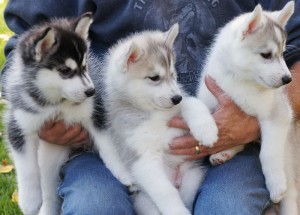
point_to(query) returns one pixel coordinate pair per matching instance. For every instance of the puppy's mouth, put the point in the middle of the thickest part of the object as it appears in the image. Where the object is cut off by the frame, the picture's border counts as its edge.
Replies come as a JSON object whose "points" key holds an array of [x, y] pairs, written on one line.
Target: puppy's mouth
{"points": [[163, 103], [263, 82], [76, 101]]}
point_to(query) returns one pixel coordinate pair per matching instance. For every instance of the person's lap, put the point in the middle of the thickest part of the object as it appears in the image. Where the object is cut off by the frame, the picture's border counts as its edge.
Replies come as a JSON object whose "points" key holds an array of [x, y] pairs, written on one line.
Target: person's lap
{"points": [[236, 187], [88, 188]]}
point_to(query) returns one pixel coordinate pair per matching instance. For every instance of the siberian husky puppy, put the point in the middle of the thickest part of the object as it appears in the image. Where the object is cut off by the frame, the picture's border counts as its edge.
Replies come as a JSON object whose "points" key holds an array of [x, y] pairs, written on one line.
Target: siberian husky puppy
{"points": [[247, 63], [142, 95], [49, 78]]}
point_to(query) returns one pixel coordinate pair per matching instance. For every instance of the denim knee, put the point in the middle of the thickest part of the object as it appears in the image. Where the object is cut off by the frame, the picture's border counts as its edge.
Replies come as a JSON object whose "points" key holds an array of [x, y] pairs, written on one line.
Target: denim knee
{"points": [[88, 187], [234, 188]]}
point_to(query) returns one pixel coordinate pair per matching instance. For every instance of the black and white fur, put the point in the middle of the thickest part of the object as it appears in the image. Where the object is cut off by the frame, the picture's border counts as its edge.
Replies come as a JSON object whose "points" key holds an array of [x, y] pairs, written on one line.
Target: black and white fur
{"points": [[142, 95], [49, 79], [247, 63]]}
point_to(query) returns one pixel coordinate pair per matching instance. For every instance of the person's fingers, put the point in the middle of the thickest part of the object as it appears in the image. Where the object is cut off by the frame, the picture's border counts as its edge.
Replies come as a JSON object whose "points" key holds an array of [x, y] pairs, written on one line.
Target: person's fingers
{"points": [[178, 122], [81, 138], [197, 156], [215, 89], [183, 142], [58, 132], [192, 153], [49, 124], [52, 131]]}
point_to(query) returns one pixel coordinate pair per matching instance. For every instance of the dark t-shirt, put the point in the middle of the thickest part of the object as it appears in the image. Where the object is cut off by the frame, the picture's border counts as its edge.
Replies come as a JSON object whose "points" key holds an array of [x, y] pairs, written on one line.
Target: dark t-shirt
{"points": [[199, 21]]}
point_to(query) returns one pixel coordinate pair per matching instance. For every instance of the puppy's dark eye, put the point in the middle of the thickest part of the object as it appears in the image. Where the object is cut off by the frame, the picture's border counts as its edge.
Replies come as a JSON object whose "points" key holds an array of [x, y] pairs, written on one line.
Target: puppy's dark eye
{"points": [[267, 55], [154, 78], [66, 71]]}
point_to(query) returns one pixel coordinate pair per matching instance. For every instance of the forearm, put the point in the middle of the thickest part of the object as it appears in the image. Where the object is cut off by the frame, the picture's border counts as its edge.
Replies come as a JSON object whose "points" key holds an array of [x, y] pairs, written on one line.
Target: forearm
{"points": [[293, 90]]}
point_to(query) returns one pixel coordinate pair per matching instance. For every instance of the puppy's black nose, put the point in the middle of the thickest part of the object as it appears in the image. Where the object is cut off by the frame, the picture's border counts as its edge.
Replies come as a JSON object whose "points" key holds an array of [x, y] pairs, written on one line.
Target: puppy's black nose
{"points": [[286, 79], [90, 92], [176, 99]]}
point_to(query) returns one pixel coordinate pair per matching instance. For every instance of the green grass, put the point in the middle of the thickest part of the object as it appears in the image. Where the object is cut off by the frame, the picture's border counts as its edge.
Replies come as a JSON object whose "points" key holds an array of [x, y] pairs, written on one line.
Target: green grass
{"points": [[7, 181]]}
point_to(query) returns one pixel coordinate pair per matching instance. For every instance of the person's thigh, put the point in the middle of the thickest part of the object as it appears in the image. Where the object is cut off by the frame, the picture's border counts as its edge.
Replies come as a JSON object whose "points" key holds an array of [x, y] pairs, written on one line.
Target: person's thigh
{"points": [[88, 187], [234, 188]]}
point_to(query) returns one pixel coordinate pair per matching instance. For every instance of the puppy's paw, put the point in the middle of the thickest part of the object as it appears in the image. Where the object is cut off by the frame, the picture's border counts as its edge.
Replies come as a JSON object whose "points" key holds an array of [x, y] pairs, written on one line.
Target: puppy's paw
{"points": [[180, 211], [277, 189], [205, 133], [133, 188], [30, 209], [125, 179], [278, 193], [31, 201], [221, 157]]}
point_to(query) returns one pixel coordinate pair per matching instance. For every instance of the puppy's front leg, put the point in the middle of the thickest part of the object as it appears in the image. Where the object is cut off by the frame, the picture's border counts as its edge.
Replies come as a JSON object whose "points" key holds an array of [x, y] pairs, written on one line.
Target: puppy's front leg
{"points": [[150, 175], [274, 137], [28, 177], [109, 154], [51, 158], [200, 121]]}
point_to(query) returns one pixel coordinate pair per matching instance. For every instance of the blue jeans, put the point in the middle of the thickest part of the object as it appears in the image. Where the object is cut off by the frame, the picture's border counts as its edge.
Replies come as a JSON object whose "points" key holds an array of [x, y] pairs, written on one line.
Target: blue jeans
{"points": [[88, 188], [234, 188]]}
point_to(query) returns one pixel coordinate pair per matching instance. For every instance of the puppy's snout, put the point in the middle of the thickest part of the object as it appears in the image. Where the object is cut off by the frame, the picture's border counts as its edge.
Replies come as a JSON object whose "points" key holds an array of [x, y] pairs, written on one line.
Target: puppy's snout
{"points": [[286, 79], [90, 92], [176, 99]]}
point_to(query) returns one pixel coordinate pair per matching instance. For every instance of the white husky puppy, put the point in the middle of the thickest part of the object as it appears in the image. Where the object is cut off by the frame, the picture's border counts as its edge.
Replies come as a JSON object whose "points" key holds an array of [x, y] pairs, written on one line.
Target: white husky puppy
{"points": [[141, 97], [247, 63], [49, 78]]}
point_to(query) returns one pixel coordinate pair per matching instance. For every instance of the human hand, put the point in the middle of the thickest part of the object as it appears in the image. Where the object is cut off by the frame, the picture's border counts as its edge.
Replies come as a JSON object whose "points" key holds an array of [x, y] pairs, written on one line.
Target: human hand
{"points": [[235, 127], [57, 132]]}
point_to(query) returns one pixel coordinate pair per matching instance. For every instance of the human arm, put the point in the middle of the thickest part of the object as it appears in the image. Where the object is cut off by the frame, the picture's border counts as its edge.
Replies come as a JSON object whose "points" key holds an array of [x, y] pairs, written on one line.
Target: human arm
{"points": [[293, 90]]}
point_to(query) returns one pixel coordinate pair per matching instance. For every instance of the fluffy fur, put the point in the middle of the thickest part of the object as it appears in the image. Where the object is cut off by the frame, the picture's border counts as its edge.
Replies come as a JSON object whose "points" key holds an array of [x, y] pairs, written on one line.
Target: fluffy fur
{"points": [[290, 203], [247, 62], [49, 78], [141, 97]]}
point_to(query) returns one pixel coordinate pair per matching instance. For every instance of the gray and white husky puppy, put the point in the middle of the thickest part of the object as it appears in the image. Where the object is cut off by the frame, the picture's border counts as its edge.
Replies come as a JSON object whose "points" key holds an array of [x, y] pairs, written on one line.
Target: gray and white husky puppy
{"points": [[142, 95], [247, 63], [49, 78]]}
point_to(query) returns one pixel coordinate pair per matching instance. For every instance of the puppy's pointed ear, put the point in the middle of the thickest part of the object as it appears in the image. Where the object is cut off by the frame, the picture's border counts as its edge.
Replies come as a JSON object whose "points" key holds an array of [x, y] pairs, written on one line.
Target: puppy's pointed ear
{"points": [[44, 43], [254, 22], [133, 55], [286, 13], [82, 25], [172, 34]]}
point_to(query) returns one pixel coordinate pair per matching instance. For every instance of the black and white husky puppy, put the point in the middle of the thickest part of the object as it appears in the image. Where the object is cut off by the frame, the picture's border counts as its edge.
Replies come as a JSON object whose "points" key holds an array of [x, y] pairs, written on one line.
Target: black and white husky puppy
{"points": [[49, 78]]}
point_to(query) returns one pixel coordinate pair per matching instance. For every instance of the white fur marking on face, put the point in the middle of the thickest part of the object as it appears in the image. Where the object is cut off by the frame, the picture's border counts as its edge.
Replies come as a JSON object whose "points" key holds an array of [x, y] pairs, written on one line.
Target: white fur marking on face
{"points": [[71, 63], [279, 35], [84, 60]]}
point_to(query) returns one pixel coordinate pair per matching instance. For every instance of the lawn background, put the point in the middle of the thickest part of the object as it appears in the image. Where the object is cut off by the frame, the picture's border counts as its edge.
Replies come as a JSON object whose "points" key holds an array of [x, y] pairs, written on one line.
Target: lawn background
{"points": [[7, 180]]}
